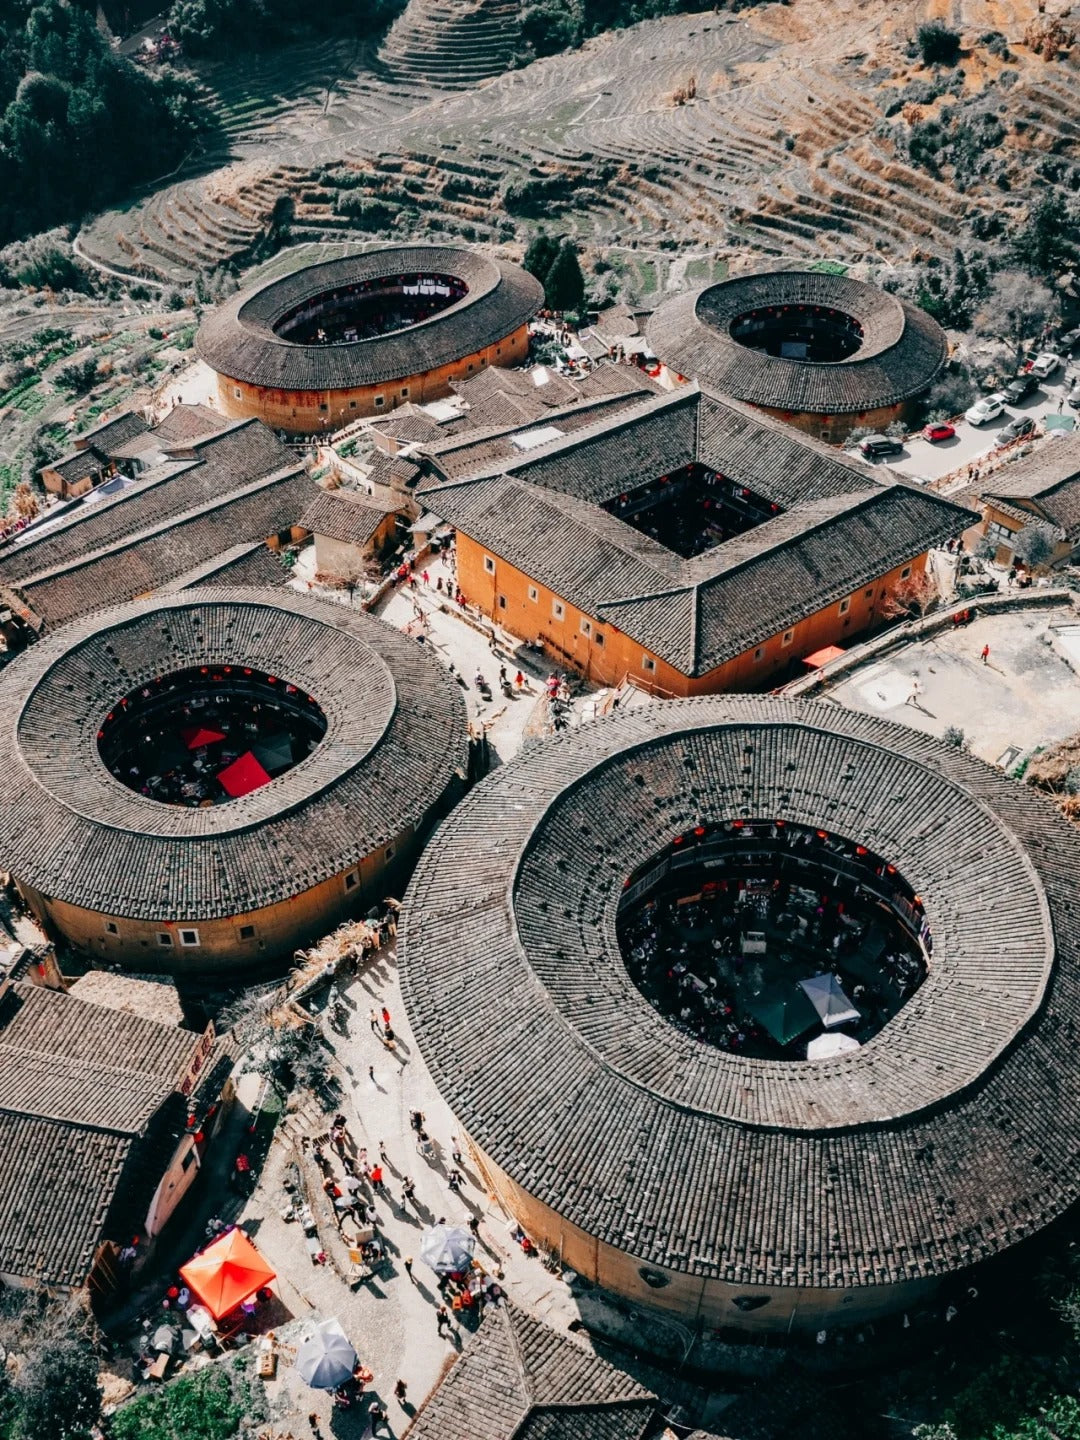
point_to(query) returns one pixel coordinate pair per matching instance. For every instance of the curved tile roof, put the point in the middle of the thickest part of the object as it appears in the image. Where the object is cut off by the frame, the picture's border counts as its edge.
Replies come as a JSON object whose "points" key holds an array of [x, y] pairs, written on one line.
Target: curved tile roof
{"points": [[939, 1142], [395, 739], [901, 351], [238, 339]]}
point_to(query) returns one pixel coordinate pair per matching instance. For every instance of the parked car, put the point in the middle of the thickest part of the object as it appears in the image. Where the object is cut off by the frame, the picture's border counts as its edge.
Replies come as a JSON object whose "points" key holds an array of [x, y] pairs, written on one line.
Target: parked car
{"points": [[1068, 342], [940, 430], [1045, 364], [1020, 387], [988, 408], [1016, 429], [873, 447]]}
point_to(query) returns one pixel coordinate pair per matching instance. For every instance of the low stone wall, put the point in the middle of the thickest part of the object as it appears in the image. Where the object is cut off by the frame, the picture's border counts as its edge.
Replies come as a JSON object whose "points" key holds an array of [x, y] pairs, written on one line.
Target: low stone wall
{"points": [[910, 630]]}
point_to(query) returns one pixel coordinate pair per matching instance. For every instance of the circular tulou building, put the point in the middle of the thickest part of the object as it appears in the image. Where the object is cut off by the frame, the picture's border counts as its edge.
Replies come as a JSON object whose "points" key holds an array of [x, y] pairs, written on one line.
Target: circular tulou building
{"points": [[825, 353], [206, 781], [763, 1013], [336, 341]]}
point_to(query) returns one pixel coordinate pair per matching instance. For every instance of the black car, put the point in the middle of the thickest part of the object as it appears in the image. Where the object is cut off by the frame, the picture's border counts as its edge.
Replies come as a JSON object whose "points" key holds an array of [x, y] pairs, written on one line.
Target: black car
{"points": [[1016, 429], [874, 446], [1068, 342], [1019, 388]]}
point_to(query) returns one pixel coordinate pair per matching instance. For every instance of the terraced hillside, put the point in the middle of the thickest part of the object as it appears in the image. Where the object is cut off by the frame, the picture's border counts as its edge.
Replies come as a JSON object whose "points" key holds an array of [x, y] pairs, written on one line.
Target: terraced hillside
{"points": [[782, 130], [452, 43]]}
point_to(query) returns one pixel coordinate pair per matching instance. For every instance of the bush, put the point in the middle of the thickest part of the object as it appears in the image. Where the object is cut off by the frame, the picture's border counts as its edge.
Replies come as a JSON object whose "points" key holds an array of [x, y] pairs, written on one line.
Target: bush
{"points": [[938, 45], [78, 377], [212, 1404]]}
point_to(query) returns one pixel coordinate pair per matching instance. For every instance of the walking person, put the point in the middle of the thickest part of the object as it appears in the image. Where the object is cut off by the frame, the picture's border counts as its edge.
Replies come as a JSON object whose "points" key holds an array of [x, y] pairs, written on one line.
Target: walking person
{"points": [[454, 1180], [913, 698], [408, 1263], [376, 1178], [400, 1389], [373, 1018], [442, 1321], [985, 654], [385, 1018], [377, 1416], [408, 1193]]}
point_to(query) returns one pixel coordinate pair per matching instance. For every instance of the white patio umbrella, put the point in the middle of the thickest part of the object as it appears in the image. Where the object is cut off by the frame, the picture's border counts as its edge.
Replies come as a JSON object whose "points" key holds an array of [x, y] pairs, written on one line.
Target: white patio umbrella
{"points": [[326, 1359], [447, 1248]]}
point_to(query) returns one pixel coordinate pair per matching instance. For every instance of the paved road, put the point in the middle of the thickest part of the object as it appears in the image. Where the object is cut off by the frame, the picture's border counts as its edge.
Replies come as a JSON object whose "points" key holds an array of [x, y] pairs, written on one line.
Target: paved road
{"points": [[923, 461]]}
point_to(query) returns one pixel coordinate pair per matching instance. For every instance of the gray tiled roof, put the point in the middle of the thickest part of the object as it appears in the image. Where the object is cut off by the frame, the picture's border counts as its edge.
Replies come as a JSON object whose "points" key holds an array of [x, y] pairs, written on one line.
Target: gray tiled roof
{"points": [[340, 517], [901, 352], [139, 563], [394, 743], [1049, 479], [110, 433], [951, 1135], [238, 339], [249, 563], [841, 527], [79, 1087], [520, 1380], [185, 423], [220, 464]]}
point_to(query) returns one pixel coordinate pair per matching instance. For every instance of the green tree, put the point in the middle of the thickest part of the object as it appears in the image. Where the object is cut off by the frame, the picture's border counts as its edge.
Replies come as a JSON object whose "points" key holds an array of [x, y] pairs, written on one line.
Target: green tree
{"points": [[938, 45], [540, 256], [564, 284], [1044, 245]]}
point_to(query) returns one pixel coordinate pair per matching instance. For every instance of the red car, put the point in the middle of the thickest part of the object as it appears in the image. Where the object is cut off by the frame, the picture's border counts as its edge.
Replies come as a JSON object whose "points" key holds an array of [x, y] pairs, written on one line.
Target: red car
{"points": [[940, 431]]}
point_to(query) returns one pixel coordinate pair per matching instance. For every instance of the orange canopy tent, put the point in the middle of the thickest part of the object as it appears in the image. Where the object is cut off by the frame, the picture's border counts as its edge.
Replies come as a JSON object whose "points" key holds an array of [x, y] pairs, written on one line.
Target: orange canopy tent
{"points": [[820, 658], [227, 1273]]}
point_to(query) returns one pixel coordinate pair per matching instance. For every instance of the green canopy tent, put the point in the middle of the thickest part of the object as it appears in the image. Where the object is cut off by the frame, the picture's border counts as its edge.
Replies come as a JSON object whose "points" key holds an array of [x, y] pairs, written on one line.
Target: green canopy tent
{"points": [[784, 1013]]}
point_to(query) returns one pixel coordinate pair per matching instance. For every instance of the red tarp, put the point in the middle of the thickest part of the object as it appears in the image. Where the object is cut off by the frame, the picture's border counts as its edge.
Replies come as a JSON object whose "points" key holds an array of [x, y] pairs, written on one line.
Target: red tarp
{"points": [[227, 1273], [194, 736], [822, 657], [243, 775]]}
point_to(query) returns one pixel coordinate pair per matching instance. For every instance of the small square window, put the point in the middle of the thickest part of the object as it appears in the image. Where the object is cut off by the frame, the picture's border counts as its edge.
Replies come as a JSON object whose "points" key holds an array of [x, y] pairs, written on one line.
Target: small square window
{"points": [[502, 602], [648, 663], [404, 392], [498, 349], [788, 637], [534, 594], [352, 404], [869, 593], [598, 638], [164, 938], [111, 927], [558, 609], [380, 401], [389, 852], [189, 937], [324, 408], [586, 627], [905, 573], [247, 932], [469, 367], [489, 565], [759, 653], [236, 393], [845, 606], [352, 879]]}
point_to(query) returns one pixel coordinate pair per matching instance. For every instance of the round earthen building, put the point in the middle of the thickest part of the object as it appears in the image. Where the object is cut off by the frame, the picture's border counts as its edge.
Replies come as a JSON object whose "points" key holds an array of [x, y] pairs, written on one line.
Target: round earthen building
{"points": [[755, 1011], [825, 353], [203, 782], [333, 342]]}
